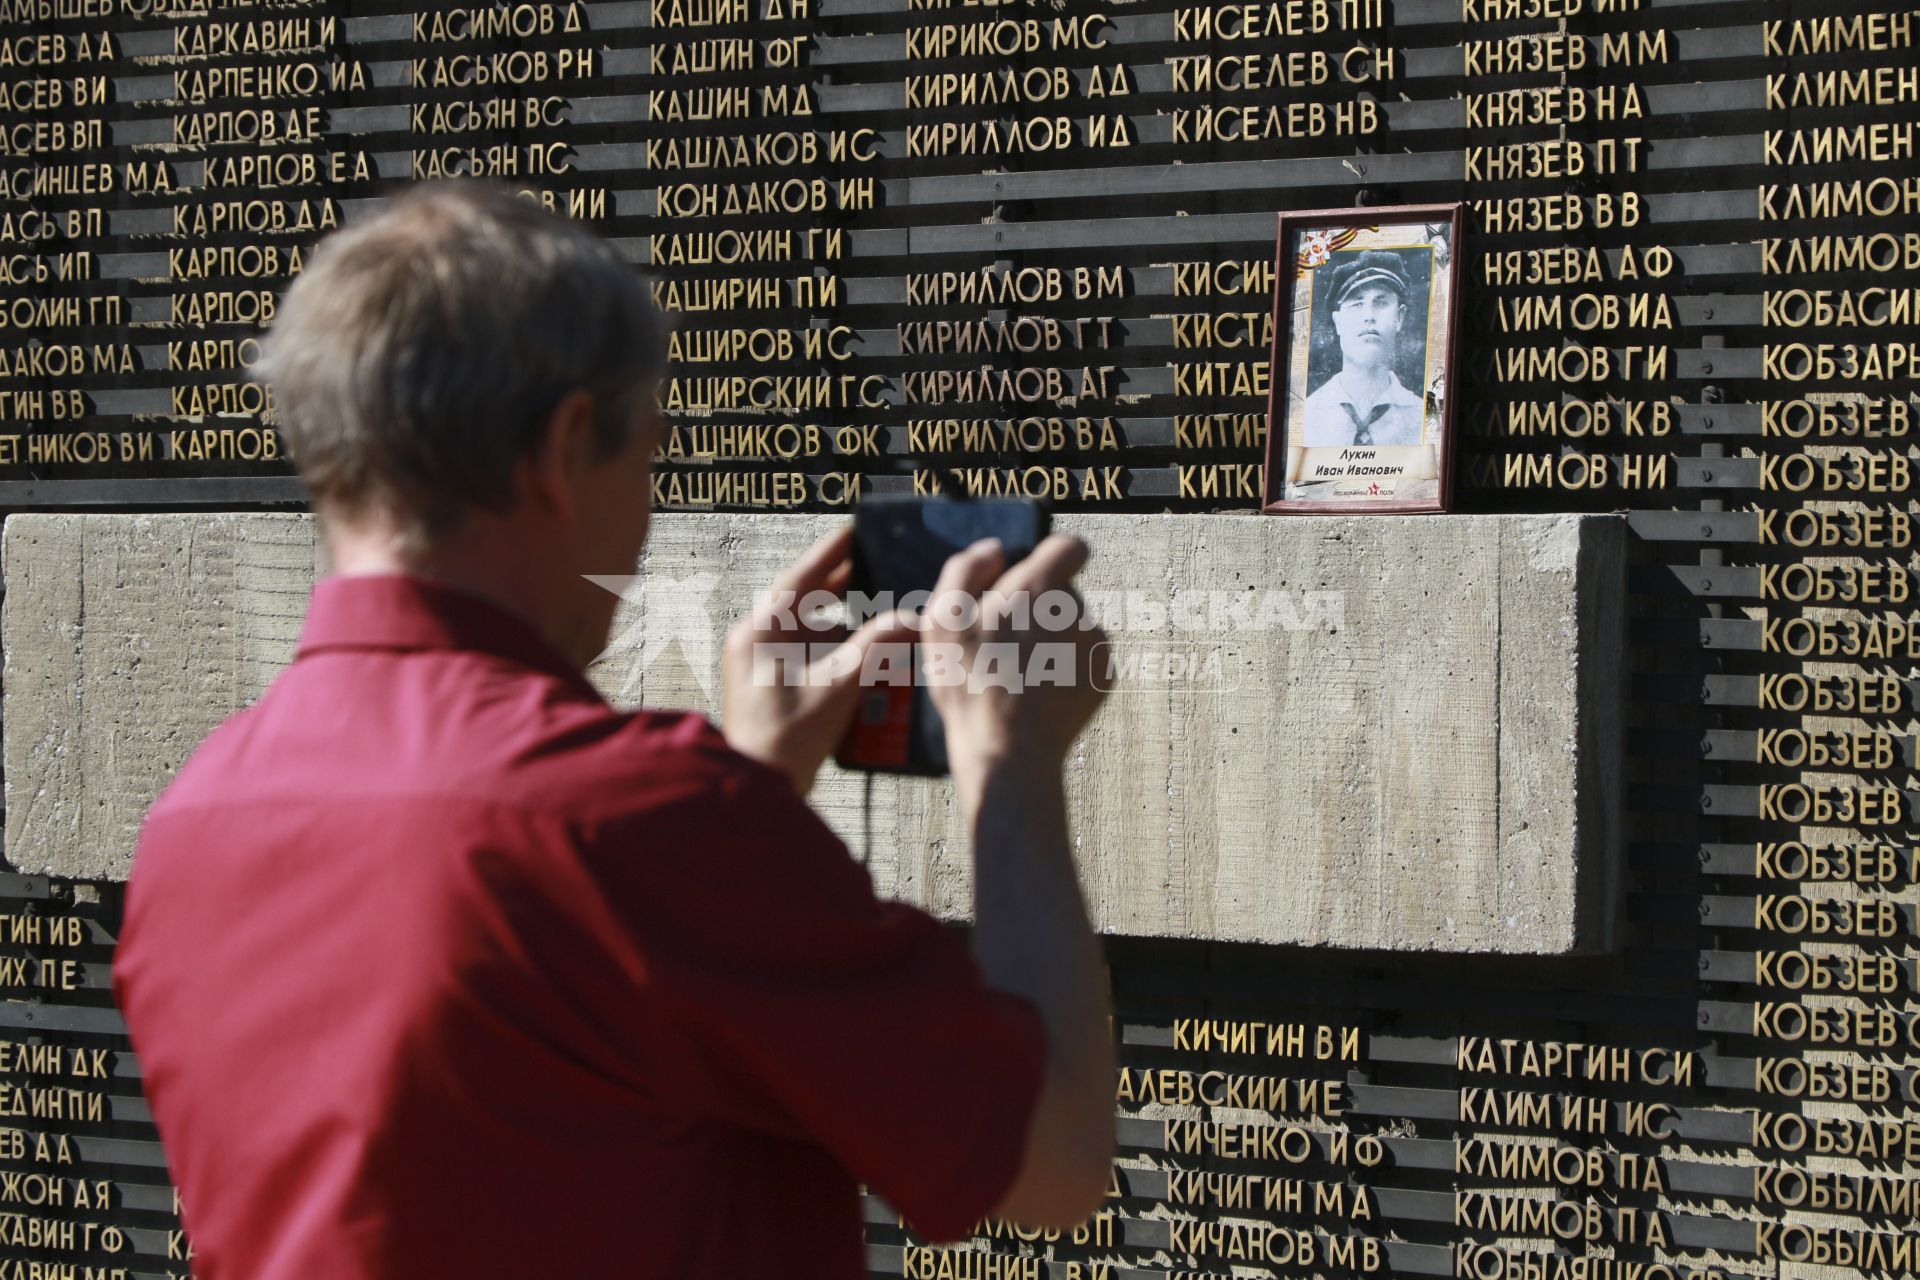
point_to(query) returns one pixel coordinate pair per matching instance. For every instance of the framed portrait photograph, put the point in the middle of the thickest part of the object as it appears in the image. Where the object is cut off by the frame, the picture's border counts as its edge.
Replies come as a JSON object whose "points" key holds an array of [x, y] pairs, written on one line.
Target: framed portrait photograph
{"points": [[1359, 417]]}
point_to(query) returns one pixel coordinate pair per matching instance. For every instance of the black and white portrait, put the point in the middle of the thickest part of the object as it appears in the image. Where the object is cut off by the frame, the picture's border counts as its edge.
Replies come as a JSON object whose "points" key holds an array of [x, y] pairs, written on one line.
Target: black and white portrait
{"points": [[1363, 338], [1367, 370]]}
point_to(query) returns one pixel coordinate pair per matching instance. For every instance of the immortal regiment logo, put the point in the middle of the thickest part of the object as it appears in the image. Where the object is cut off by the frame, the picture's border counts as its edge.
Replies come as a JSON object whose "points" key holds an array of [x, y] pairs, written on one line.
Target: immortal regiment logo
{"points": [[1190, 639]]}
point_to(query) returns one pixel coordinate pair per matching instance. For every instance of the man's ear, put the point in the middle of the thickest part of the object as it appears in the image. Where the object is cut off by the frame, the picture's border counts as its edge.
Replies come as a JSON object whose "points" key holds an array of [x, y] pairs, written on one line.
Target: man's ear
{"points": [[566, 448]]}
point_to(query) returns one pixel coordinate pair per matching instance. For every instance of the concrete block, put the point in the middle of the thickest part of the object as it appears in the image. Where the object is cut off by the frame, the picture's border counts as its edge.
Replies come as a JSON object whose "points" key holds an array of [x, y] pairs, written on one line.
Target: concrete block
{"points": [[127, 639], [1391, 733]]}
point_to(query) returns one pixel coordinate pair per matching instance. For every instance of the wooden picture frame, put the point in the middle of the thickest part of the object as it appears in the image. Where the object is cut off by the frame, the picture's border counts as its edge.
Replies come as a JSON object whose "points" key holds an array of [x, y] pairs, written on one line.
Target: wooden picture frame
{"points": [[1346, 432]]}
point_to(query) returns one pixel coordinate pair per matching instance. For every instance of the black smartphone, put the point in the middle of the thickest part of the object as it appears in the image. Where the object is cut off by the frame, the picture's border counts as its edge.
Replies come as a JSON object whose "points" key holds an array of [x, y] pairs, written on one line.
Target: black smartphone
{"points": [[899, 547]]}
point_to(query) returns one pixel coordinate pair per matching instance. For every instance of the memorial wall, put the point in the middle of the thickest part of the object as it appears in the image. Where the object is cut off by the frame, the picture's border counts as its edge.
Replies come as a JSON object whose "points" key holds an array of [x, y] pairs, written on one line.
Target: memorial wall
{"points": [[1028, 248]]}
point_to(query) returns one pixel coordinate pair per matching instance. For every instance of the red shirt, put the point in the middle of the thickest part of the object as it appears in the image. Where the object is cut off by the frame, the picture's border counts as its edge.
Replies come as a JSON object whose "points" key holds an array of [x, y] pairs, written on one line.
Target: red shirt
{"points": [[437, 965]]}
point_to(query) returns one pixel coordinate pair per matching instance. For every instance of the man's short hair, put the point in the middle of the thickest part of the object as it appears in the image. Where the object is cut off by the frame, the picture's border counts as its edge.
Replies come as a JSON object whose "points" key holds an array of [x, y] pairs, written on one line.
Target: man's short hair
{"points": [[418, 357], [1369, 266]]}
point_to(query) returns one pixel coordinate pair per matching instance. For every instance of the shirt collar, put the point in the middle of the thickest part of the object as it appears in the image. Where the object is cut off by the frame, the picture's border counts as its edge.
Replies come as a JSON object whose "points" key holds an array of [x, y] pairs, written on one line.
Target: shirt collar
{"points": [[402, 611]]}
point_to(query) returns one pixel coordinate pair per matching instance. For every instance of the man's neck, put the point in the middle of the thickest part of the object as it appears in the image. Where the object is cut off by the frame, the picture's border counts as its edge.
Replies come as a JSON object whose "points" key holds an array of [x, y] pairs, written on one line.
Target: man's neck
{"points": [[1368, 385], [504, 571]]}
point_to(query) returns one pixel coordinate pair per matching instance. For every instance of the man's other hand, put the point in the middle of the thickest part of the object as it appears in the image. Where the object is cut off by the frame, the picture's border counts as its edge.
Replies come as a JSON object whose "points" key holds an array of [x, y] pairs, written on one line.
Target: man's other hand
{"points": [[1028, 653], [999, 717], [787, 697]]}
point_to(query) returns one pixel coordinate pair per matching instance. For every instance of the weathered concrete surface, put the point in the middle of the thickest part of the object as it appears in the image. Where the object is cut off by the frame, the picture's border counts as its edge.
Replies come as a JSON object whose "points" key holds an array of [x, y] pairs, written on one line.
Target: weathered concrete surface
{"points": [[127, 639], [1402, 732]]}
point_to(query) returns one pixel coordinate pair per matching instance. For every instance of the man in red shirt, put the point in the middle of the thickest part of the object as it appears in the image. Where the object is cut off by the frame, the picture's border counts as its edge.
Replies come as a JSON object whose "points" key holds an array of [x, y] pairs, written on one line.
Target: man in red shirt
{"points": [[438, 965]]}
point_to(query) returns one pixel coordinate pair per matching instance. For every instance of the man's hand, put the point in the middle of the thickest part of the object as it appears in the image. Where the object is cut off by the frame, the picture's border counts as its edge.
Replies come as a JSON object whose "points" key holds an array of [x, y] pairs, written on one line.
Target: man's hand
{"points": [[1030, 726], [1008, 750], [783, 707]]}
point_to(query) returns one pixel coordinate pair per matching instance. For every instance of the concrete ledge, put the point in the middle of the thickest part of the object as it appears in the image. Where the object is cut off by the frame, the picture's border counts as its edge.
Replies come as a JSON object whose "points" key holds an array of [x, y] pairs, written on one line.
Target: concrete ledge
{"points": [[1405, 738], [127, 639]]}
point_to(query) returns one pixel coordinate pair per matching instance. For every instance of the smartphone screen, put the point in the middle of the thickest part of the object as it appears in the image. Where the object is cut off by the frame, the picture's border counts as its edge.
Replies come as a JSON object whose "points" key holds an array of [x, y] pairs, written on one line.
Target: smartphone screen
{"points": [[899, 547]]}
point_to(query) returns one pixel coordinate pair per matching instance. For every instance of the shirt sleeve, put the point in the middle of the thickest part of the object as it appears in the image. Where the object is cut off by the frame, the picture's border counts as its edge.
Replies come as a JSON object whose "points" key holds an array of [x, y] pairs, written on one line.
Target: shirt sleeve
{"points": [[822, 1012]]}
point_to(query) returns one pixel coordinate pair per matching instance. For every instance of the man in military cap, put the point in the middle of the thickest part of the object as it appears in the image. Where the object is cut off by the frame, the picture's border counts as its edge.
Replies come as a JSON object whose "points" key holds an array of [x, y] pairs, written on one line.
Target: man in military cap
{"points": [[1364, 403]]}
